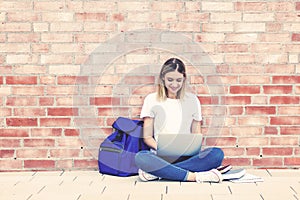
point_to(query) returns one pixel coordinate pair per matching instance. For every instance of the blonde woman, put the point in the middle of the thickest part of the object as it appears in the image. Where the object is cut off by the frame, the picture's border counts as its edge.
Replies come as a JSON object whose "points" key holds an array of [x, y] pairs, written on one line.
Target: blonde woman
{"points": [[172, 110]]}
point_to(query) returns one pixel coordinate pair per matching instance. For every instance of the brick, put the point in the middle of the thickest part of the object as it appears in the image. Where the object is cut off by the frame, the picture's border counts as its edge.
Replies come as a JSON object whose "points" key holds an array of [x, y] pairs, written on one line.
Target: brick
{"points": [[233, 151], [295, 37], [49, 6], [15, 27], [85, 164], [225, 17], [40, 27], [29, 112], [5, 91], [270, 130], [243, 59], [31, 153], [292, 48], [9, 165], [22, 59], [292, 161], [21, 101], [22, 16], [56, 59], [244, 89], [46, 101], [55, 122], [252, 151], [137, 80], [46, 132], [64, 164], [7, 153], [250, 6], [62, 111], [56, 37], [14, 47], [21, 122], [262, 17], [24, 80], [64, 69], [28, 91], [4, 112], [58, 16], [39, 164], [279, 68], [103, 27], [72, 80], [7, 143], [260, 110], [283, 120], [70, 142], [284, 100], [246, 131], [284, 141], [286, 79], [64, 153], [278, 162], [94, 6], [217, 6], [237, 161], [90, 16], [118, 17], [231, 48], [221, 141], [23, 38], [252, 121], [291, 130], [167, 6], [263, 47], [278, 89], [72, 132], [39, 142], [104, 101], [210, 37], [194, 17], [8, 132], [277, 151], [253, 141], [254, 79], [281, 6], [61, 90], [217, 27], [239, 100], [297, 5], [250, 27]]}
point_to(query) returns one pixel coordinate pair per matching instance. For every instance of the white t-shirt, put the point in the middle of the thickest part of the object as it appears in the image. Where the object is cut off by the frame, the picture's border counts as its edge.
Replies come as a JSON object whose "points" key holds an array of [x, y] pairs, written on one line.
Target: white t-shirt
{"points": [[172, 115]]}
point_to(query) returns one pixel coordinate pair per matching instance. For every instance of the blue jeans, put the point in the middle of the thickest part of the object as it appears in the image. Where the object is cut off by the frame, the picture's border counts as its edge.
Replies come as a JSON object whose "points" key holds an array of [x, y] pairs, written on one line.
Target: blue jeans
{"points": [[206, 160]]}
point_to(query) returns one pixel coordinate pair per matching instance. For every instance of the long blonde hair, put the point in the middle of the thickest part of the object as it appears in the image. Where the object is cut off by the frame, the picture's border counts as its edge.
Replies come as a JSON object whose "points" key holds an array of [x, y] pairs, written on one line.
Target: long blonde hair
{"points": [[172, 64]]}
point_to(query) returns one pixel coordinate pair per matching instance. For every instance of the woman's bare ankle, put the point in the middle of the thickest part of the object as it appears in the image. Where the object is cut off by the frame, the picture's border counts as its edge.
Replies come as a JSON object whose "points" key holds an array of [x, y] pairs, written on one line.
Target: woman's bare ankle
{"points": [[191, 177]]}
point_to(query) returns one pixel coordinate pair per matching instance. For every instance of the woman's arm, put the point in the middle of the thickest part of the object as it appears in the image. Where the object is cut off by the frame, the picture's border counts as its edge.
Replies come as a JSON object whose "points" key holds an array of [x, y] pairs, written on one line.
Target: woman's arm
{"points": [[196, 127], [148, 133]]}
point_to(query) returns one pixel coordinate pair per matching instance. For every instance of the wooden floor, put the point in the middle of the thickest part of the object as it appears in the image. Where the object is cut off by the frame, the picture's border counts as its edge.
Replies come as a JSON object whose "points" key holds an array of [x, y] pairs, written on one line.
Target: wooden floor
{"points": [[89, 185]]}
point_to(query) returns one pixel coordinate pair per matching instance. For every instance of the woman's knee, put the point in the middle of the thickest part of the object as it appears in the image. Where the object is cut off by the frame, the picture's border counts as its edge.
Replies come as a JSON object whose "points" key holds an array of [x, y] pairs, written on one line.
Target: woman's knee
{"points": [[216, 153], [141, 158]]}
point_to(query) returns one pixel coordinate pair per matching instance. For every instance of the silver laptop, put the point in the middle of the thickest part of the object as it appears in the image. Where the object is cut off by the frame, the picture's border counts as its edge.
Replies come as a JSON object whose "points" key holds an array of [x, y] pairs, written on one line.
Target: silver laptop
{"points": [[178, 144]]}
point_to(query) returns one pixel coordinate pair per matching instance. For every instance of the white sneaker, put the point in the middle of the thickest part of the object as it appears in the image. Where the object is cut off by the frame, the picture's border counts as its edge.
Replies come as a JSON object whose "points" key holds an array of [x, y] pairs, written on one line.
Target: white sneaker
{"points": [[144, 176], [209, 176]]}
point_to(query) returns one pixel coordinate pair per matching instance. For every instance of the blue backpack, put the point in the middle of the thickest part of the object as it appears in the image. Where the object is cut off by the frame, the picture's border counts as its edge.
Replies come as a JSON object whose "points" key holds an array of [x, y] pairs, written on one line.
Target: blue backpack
{"points": [[117, 152]]}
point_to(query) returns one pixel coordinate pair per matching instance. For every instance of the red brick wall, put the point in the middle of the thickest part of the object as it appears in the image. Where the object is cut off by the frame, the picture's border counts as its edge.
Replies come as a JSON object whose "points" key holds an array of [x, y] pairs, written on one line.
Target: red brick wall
{"points": [[69, 68]]}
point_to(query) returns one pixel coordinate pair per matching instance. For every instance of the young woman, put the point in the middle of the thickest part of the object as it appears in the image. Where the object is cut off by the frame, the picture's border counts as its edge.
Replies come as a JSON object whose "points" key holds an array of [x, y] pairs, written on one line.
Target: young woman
{"points": [[172, 110]]}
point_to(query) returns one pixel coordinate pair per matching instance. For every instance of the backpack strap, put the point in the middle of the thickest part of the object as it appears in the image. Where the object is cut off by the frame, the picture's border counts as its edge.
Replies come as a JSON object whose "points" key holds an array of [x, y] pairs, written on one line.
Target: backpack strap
{"points": [[124, 124]]}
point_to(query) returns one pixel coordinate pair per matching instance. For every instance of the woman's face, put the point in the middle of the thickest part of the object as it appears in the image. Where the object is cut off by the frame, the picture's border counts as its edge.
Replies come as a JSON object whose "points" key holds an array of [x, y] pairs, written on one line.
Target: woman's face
{"points": [[173, 82]]}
